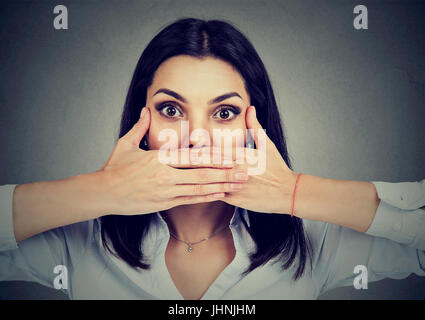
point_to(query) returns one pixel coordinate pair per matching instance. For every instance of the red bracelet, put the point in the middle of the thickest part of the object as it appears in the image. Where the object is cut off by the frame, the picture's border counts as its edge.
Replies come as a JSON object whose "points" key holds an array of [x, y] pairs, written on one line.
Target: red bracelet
{"points": [[293, 196]]}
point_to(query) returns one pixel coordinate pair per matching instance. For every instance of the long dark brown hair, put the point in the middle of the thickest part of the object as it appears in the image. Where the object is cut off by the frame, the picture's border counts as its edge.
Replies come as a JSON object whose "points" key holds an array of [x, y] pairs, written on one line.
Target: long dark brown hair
{"points": [[275, 235]]}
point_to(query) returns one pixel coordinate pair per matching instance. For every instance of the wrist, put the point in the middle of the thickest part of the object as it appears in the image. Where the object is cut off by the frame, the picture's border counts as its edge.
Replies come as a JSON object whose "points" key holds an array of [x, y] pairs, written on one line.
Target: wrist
{"points": [[346, 203], [306, 197], [286, 192], [93, 189]]}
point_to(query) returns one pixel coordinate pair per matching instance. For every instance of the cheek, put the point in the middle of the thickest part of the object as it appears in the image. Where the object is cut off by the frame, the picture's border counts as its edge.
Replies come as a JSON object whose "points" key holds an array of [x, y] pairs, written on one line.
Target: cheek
{"points": [[238, 132], [161, 128]]}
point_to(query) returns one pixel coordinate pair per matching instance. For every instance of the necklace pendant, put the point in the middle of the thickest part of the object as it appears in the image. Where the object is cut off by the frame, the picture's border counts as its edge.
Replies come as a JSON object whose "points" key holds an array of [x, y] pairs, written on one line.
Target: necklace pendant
{"points": [[189, 249]]}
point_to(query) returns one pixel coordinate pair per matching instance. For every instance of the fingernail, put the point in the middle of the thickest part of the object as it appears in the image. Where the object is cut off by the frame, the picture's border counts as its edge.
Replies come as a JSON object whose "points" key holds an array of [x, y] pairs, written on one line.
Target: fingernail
{"points": [[218, 195], [228, 157], [241, 176], [142, 114], [235, 186]]}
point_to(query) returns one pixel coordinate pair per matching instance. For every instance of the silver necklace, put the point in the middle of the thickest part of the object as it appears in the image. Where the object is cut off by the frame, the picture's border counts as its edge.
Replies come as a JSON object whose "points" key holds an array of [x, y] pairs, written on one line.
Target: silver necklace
{"points": [[190, 244]]}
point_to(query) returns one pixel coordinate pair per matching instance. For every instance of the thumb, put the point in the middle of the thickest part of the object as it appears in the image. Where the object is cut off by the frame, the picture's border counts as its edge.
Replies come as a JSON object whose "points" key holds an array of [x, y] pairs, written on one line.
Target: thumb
{"points": [[136, 134], [252, 124]]}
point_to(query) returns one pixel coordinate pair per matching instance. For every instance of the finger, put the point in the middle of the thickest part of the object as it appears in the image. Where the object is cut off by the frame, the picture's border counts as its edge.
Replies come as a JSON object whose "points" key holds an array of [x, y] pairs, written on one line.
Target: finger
{"points": [[233, 198], [205, 157], [138, 131], [178, 201], [201, 165], [254, 127], [209, 175], [196, 158], [204, 189]]}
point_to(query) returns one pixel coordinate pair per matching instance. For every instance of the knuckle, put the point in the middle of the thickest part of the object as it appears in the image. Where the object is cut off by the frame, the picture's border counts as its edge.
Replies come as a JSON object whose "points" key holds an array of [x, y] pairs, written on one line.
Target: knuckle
{"points": [[201, 189], [228, 175], [202, 176], [164, 194], [179, 200], [121, 140], [189, 200], [208, 198], [219, 187], [197, 189], [161, 178]]}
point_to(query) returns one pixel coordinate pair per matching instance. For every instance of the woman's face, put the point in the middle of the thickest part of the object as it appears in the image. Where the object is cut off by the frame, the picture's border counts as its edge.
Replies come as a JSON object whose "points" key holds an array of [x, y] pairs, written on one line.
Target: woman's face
{"points": [[184, 91]]}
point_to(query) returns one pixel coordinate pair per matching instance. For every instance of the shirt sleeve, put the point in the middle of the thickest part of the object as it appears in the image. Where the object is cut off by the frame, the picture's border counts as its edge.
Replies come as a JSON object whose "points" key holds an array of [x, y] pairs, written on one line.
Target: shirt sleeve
{"points": [[35, 258], [398, 216], [338, 251], [393, 246]]}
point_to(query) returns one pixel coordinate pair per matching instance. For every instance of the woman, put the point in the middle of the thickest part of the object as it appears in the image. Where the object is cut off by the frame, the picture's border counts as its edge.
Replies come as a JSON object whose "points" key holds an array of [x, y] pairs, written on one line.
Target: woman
{"points": [[139, 228]]}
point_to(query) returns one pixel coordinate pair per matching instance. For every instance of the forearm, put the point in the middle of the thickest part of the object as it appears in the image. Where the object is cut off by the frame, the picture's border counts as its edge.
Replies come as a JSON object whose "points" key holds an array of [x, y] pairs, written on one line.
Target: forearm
{"points": [[41, 206], [347, 203]]}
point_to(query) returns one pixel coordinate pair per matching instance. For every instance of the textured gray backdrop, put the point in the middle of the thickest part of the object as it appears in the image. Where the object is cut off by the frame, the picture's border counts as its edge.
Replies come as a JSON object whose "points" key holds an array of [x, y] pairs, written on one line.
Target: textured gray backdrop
{"points": [[352, 102]]}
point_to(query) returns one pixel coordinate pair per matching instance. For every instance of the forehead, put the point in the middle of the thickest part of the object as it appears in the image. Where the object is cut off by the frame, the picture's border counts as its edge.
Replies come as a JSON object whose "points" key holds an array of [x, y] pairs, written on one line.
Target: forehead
{"points": [[196, 78]]}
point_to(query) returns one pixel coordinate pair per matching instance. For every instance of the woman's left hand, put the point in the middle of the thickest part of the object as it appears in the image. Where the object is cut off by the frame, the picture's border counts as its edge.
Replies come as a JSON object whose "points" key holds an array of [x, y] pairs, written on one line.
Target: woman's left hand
{"points": [[268, 192]]}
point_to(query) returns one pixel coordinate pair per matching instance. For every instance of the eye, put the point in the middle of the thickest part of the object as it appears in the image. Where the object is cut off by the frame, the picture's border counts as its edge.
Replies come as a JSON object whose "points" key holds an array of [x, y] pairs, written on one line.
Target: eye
{"points": [[227, 113], [169, 110]]}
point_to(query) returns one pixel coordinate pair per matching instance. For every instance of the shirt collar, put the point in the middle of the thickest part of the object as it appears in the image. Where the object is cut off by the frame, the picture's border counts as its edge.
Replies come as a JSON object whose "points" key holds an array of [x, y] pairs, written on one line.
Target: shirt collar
{"points": [[238, 213]]}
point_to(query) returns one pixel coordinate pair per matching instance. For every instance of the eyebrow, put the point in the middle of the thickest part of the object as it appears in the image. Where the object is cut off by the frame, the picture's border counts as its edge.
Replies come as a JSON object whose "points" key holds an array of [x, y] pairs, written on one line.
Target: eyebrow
{"points": [[182, 99]]}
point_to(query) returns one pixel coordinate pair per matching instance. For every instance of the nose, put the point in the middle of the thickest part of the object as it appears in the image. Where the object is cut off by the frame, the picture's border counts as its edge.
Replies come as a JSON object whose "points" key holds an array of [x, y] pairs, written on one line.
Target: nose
{"points": [[197, 133], [199, 137]]}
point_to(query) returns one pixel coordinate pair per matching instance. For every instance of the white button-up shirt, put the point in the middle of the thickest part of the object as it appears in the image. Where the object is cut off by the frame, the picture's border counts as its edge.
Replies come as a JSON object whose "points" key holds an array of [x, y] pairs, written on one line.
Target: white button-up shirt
{"points": [[393, 247]]}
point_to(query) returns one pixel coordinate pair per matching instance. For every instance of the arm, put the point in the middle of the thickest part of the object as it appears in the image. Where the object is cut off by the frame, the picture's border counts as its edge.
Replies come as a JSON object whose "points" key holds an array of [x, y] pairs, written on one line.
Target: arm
{"points": [[40, 206], [35, 258], [45, 205], [351, 204]]}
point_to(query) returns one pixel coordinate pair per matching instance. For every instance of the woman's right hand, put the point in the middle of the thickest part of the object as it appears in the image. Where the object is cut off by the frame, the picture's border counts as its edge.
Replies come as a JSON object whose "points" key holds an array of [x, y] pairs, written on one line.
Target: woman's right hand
{"points": [[134, 181]]}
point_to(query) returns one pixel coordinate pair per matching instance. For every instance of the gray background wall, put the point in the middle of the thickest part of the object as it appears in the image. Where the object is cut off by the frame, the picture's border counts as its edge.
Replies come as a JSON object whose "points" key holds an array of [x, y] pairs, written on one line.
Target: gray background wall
{"points": [[351, 101]]}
